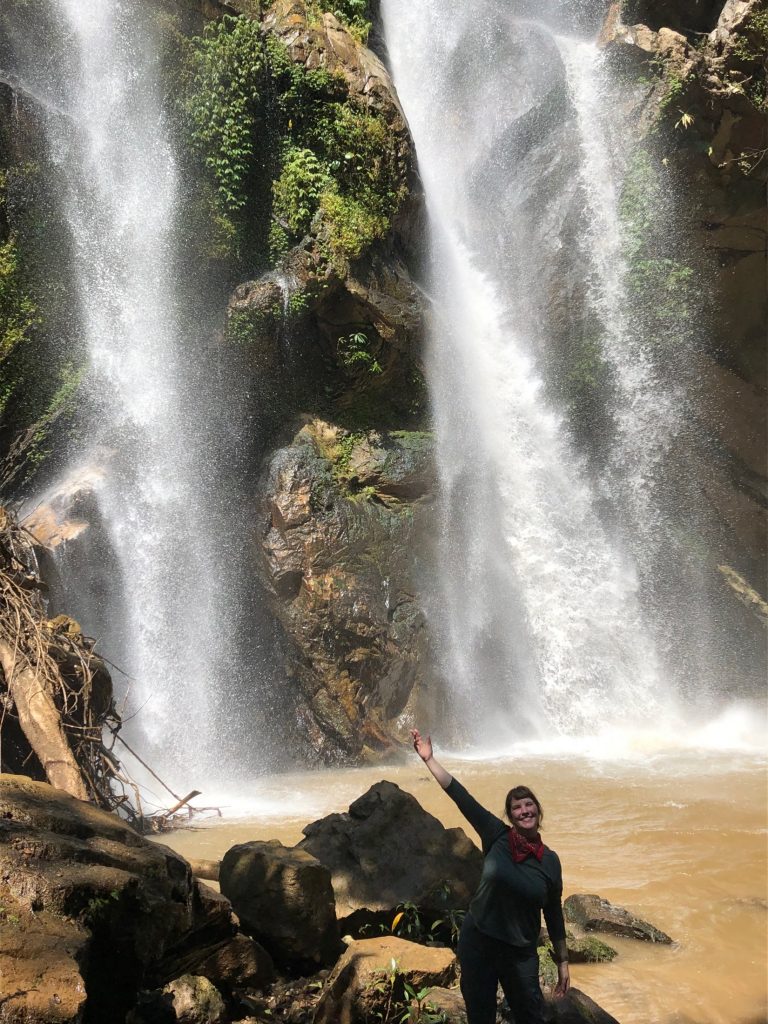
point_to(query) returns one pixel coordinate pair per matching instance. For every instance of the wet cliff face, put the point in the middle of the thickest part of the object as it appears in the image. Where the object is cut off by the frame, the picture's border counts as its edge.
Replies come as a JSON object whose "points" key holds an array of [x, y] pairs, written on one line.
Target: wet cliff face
{"points": [[697, 118], [298, 273]]}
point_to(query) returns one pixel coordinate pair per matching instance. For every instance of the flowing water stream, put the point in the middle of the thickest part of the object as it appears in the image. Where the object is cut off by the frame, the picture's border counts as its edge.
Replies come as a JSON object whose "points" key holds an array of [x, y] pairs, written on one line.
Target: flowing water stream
{"points": [[157, 589], [568, 598], [541, 613]]}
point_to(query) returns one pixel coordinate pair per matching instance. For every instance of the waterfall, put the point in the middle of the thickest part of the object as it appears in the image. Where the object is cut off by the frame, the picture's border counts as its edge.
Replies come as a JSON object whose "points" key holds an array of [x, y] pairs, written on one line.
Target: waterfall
{"points": [[167, 621], [649, 403], [539, 615]]}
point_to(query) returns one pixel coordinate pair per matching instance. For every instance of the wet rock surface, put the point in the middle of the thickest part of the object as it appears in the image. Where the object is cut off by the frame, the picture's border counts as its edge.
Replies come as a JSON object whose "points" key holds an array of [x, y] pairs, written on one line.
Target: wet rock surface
{"points": [[595, 914], [342, 517], [576, 1008], [90, 909], [386, 849]]}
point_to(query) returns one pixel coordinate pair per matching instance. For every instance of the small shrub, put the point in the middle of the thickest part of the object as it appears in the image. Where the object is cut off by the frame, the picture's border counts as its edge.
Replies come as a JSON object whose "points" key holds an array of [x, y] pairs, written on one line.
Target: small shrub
{"points": [[298, 189]]}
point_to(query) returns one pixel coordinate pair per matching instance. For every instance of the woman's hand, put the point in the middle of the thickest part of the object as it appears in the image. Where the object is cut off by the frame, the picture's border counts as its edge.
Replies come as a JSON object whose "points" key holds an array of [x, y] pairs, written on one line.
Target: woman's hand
{"points": [[422, 745], [563, 980]]}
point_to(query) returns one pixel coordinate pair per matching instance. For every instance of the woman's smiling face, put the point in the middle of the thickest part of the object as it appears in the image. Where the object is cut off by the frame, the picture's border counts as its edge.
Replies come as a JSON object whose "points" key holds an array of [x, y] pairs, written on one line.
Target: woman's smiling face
{"points": [[525, 816]]}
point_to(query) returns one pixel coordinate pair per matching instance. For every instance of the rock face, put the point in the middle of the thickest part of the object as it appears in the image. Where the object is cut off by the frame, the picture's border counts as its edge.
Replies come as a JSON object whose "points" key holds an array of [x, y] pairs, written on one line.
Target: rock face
{"points": [[576, 1008], [194, 1000], [342, 517], [284, 898], [91, 911], [239, 963], [700, 129], [360, 983], [386, 849], [595, 914]]}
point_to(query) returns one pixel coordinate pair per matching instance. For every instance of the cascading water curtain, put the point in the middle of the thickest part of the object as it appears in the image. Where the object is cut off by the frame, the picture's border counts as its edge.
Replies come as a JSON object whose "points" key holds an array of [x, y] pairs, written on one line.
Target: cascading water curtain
{"points": [[540, 612], [165, 619]]}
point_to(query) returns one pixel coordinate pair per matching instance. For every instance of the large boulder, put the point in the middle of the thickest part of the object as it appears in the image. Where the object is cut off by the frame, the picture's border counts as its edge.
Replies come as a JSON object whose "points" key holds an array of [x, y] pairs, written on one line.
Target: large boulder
{"points": [[575, 1008], [91, 911], [239, 963], [284, 899], [595, 914], [387, 849], [343, 518], [371, 975]]}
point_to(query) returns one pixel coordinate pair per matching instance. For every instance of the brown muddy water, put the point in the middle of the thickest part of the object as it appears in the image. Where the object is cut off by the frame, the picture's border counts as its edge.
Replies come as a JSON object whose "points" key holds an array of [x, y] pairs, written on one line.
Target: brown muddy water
{"points": [[678, 839]]}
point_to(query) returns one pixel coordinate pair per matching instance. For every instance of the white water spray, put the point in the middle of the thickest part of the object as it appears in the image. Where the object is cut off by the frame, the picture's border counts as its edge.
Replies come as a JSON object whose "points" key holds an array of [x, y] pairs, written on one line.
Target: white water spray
{"points": [[119, 198], [540, 612], [649, 406]]}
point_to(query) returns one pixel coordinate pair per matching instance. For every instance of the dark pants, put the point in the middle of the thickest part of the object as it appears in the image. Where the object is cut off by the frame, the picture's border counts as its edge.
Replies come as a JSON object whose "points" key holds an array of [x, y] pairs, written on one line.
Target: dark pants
{"points": [[486, 962]]}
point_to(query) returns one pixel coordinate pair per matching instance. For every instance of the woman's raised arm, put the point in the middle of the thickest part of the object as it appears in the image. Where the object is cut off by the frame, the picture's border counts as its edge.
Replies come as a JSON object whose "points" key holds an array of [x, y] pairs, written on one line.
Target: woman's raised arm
{"points": [[423, 747]]}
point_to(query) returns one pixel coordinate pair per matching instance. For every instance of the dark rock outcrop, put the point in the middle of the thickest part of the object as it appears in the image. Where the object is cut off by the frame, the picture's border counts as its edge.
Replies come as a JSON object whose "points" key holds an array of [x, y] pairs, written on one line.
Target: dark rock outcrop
{"points": [[386, 849], [91, 911], [283, 898], [595, 914], [239, 963], [342, 519], [576, 1008]]}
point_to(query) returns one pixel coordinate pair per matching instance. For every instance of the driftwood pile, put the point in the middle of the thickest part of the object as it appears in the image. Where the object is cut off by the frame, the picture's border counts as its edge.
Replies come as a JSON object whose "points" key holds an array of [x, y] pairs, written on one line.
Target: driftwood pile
{"points": [[56, 699]]}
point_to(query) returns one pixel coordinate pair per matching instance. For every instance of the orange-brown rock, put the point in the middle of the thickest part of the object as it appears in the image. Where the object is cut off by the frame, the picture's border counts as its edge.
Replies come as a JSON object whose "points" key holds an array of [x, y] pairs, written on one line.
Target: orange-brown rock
{"points": [[360, 983], [91, 911]]}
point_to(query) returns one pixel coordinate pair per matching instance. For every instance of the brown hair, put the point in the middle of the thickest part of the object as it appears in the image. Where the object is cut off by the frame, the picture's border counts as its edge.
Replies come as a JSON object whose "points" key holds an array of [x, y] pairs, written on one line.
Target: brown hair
{"points": [[520, 793]]}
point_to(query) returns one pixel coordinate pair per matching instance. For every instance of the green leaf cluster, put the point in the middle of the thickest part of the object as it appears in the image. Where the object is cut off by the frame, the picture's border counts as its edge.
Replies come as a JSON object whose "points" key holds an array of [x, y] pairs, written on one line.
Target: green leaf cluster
{"points": [[283, 144], [298, 190], [18, 313], [354, 352], [355, 179], [224, 102]]}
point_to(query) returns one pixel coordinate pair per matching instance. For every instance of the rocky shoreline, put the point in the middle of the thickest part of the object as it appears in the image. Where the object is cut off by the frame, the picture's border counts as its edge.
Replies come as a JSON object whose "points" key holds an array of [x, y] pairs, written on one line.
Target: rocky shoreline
{"points": [[356, 923]]}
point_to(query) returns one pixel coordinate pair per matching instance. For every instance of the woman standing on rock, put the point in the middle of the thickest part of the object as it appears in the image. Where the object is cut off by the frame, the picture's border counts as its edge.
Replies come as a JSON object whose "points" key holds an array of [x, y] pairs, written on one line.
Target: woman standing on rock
{"points": [[521, 877]]}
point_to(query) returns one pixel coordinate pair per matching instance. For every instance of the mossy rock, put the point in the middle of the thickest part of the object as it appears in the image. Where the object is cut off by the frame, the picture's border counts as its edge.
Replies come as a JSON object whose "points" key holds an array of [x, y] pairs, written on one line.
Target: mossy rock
{"points": [[589, 950]]}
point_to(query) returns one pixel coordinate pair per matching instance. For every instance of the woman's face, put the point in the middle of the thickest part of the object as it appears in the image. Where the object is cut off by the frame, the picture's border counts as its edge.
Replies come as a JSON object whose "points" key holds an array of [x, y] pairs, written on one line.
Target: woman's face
{"points": [[525, 816]]}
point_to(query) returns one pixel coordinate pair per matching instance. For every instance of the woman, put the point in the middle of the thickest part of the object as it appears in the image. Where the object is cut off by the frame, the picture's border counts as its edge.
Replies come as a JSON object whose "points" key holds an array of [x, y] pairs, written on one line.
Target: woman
{"points": [[521, 877]]}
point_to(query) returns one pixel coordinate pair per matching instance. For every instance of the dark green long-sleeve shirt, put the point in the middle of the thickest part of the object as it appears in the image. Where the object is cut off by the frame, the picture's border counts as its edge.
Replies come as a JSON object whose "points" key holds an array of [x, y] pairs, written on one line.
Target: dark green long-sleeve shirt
{"points": [[511, 896]]}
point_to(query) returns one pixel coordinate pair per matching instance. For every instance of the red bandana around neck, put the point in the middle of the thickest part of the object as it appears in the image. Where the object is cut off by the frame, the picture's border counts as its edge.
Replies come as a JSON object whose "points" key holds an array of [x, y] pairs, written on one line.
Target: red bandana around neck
{"points": [[522, 847]]}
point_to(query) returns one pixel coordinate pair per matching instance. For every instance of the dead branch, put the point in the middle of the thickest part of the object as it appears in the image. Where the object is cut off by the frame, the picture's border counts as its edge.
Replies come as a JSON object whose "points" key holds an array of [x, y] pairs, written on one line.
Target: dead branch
{"points": [[41, 723], [56, 699]]}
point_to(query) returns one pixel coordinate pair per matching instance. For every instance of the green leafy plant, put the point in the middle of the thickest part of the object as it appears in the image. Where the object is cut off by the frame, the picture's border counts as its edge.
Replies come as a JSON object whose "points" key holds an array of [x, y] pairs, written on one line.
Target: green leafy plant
{"points": [[98, 907], [408, 922], [354, 351], [419, 1010], [298, 189], [401, 1002], [223, 103]]}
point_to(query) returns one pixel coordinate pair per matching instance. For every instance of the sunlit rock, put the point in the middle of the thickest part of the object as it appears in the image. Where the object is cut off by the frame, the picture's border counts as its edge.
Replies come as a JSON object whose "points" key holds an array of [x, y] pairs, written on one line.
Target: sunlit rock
{"points": [[342, 515], [91, 908], [595, 914], [371, 973]]}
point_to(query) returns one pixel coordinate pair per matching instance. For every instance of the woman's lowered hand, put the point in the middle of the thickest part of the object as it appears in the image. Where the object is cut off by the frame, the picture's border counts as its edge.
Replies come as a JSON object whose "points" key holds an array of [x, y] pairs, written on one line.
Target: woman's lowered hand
{"points": [[563, 979]]}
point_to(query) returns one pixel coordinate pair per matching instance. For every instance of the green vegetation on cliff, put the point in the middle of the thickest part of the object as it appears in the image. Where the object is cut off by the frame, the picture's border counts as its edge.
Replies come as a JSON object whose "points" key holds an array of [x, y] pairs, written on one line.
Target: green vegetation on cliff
{"points": [[660, 282], [18, 313], [286, 151]]}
